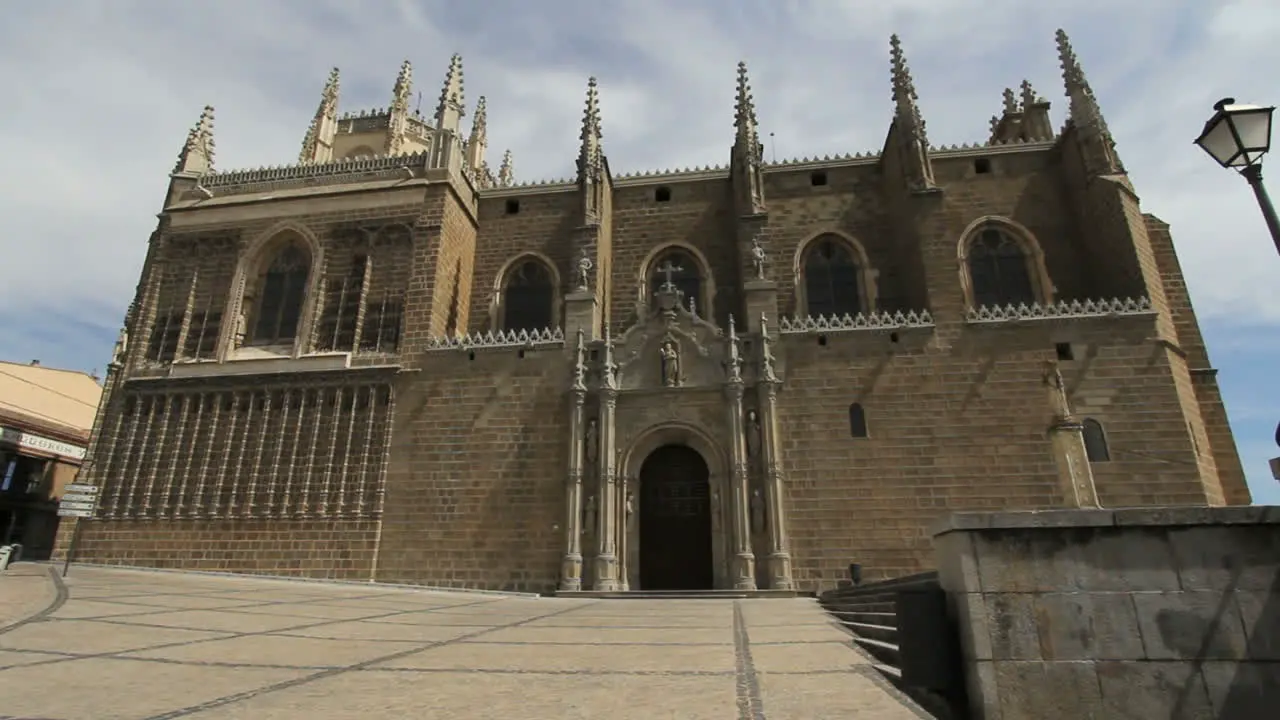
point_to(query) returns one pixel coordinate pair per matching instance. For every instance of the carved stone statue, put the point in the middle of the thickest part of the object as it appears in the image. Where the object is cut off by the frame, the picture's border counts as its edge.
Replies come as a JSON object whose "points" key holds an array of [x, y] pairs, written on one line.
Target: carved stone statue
{"points": [[122, 347], [757, 511], [670, 364], [242, 326], [757, 257], [592, 440], [629, 506], [753, 434], [584, 270], [589, 515]]}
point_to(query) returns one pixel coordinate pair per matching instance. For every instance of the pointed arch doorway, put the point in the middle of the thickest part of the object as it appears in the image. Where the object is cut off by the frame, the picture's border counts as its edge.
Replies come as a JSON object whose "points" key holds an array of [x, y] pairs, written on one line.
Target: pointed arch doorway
{"points": [[676, 551]]}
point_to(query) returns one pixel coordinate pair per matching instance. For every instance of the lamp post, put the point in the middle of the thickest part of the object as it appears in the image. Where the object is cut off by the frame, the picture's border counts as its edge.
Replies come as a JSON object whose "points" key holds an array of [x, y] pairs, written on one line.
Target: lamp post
{"points": [[1237, 136]]}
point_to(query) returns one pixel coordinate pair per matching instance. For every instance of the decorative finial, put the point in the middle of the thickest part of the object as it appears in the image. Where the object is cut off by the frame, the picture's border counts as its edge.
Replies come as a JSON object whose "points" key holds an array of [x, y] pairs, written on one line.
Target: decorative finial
{"points": [[506, 171], [1010, 102], [590, 155], [609, 369], [733, 364], [452, 101], [579, 365], [398, 110], [1028, 96], [1085, 112], [744, 117], [766, 353], [904, 92], [480, 122], [197, 154]]}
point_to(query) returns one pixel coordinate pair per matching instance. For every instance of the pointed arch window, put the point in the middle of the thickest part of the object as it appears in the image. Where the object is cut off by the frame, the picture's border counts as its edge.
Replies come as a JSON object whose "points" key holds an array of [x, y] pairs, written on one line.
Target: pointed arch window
{"points": [[1095, 441], [999, 270], [686, 275], [857, 421], [832, 282], [280, 299], [528, 298]]}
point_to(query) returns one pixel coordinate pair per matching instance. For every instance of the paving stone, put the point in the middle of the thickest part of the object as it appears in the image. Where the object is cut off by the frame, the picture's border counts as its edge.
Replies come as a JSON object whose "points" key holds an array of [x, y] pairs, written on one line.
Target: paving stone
{"points": [[385, 652]]}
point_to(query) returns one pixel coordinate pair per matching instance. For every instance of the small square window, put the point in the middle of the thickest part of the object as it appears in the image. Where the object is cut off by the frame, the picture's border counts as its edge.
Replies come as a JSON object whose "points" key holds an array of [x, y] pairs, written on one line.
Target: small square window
{"points": [[513, 207], [662, 194], [818, 178], [1065, 351], [982, 166]]}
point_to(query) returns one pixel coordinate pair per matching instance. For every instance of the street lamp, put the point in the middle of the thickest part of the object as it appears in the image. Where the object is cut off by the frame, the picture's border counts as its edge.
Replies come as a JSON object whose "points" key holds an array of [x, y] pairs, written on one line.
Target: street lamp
{"points": [[1237, 136]]}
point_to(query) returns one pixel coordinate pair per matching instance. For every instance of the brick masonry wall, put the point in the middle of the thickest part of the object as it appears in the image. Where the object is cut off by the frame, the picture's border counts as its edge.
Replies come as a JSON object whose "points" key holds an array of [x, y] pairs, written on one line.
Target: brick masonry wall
{"points": [[475, 491], [698, 215], [542, 225], [329, 549]]}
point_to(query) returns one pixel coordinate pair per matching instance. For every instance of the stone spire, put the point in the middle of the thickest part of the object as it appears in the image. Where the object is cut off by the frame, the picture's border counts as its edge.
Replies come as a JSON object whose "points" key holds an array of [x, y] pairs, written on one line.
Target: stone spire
{"points": [[591, 157], [1025, 117], [747, 154], [196, 157], [590, 148], [317, 146], [908, 120], [452, 107], [506, 172], [398, 111], [478, 146], [905, 98], [744, 111], [1086, 116]]}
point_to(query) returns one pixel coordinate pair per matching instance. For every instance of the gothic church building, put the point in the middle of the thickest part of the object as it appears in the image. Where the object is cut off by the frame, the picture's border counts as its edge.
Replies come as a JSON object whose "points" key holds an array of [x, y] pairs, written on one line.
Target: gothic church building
{"points": [[390, 362]]}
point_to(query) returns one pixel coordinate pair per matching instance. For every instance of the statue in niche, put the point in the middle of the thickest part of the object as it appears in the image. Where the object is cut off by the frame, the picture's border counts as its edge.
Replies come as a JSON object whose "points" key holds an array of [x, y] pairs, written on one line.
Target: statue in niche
{"points": [[1058, 390], [753, 434], [592, 440], [629, 507], [670, 354], [122, 346], [715, 502], [757, 257], [757, 511], [242, 324], [584, 270], [589, 515]]}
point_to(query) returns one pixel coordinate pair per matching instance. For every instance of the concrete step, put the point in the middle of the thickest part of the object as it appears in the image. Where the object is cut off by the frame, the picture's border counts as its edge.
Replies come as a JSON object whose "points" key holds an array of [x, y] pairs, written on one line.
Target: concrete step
{"points": [[886, 653], [883, 633]]}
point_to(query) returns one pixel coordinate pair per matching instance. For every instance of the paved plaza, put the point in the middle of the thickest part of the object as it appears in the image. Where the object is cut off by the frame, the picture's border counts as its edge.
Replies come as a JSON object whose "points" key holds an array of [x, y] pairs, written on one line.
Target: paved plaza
{"points": [[112, 643]]}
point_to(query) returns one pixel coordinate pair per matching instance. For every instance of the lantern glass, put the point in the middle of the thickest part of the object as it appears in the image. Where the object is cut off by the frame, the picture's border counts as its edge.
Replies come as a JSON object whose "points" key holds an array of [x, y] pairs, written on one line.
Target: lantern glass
{"points": [[1237, 135]]}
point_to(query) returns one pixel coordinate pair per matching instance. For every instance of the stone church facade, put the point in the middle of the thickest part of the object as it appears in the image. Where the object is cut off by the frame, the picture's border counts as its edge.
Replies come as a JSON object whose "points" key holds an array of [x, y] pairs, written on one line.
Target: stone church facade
{"points": [[390, 362]]}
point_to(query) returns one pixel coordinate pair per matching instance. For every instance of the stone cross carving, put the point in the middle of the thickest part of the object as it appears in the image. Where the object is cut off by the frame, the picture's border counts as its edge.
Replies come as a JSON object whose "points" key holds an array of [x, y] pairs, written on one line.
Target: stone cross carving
{"points": [[584, 270], [670, 355], [669, 269], [757, 257]]}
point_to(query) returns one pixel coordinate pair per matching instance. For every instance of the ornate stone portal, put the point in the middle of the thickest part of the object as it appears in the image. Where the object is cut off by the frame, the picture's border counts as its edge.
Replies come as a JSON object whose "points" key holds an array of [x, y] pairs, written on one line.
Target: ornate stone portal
{"points": [[673, 379]]}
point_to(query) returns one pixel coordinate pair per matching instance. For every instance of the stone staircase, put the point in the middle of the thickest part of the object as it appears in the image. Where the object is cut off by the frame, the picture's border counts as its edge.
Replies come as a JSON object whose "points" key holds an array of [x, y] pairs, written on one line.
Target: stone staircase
{"points": [[872, 613]]}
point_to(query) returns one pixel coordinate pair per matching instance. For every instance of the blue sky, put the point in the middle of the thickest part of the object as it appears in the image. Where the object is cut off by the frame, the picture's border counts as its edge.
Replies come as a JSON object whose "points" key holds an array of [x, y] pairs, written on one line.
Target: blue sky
{"points": [[98, 96]]}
